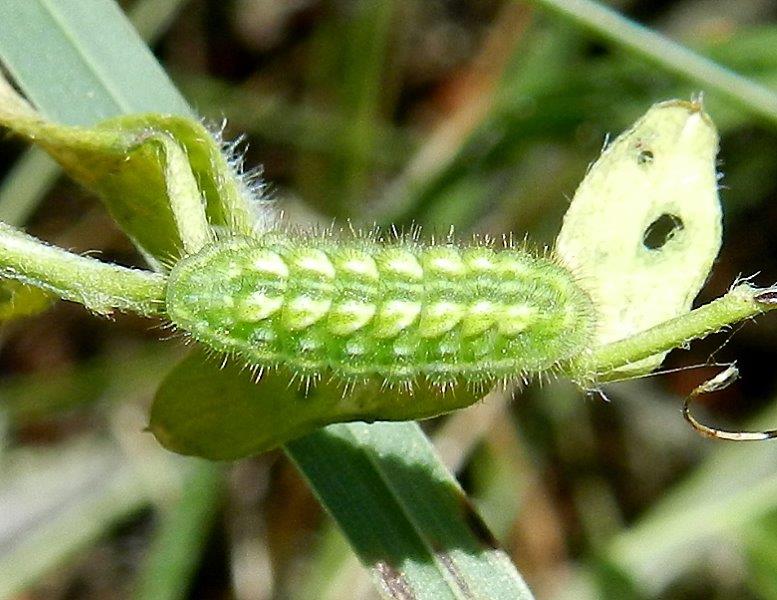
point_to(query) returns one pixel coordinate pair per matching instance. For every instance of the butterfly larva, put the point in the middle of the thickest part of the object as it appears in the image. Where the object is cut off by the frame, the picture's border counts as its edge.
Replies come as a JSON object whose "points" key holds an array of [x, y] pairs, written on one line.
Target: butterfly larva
{"points": [[399, 311], [445, 313]]}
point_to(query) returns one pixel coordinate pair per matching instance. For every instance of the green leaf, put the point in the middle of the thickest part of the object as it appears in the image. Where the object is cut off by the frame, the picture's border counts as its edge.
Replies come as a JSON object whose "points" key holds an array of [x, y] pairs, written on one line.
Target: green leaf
{"points": [[644, 226], [33, 174], [221, 412], [121, 159], [401, 510], [150, 170], [229, 201]]}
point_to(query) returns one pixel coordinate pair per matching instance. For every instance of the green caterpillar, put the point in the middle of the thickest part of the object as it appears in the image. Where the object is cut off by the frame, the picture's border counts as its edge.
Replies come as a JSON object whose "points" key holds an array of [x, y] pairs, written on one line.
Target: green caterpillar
{"points": [[403, 311], [400, 311], [341, 310]]}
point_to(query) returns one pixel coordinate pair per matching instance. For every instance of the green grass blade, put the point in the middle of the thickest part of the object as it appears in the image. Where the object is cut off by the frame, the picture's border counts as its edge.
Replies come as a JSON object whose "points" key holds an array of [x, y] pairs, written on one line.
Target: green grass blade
{"points": [[80, 61], [34, 173], [404, 513], [668, 55], [178, 543], [138, 191]]}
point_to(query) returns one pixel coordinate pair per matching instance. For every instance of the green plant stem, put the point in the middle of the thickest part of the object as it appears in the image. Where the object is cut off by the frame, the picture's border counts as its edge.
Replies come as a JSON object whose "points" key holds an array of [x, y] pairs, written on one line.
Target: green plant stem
{"points": [[742, 302], [669, 55], [99, 286]]}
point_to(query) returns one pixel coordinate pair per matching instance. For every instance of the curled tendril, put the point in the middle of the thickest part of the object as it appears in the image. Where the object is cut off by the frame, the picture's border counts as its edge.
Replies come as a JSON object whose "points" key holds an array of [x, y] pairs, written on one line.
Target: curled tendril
{"points": [[721, 381]]}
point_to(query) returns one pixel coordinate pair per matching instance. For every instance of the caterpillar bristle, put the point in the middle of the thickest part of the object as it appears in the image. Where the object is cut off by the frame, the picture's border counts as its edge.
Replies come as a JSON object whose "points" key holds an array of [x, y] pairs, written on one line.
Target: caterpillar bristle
{"points": [[253, 188], [256, 372]]}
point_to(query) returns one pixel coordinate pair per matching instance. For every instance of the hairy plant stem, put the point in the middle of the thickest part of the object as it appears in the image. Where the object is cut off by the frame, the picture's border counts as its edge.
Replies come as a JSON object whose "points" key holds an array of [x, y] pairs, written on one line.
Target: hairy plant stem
{"points": [[742, 302], [667, 54], [99, 286]]}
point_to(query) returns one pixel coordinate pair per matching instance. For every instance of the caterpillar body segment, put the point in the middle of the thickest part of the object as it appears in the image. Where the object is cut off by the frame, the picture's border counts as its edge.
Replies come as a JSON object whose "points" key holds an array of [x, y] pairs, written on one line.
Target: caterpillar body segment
{"points": [[399, 312]]}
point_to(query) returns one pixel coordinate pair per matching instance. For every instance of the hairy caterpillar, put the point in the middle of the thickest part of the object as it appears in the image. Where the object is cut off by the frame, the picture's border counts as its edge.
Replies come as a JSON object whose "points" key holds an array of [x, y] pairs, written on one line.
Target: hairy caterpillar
{"points": [[399, 312], [446, 313], [366, 309]]}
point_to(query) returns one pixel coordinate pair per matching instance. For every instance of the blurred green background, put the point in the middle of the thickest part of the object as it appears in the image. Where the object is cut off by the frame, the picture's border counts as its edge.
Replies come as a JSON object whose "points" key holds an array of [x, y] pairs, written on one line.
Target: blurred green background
{"points": [[482, 114]]}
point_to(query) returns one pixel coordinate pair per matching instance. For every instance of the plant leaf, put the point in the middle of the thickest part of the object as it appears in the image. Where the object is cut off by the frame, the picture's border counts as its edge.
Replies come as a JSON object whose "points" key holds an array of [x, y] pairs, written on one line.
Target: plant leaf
{"points": [[220, 412], [644, 226], [96, 67], [34, 172], [80, 61], [401, 510], [141, 166]]}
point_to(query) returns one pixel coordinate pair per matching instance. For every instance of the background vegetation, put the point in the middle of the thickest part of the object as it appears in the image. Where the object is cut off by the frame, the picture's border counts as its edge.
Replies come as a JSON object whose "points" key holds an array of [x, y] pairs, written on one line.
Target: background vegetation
{"points": [[478, 113]]}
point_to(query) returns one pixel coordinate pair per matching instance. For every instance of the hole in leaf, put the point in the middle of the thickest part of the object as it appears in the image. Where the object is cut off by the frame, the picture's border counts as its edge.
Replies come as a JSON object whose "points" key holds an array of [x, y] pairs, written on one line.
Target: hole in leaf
{"points": [[645, 157], [660, 231]]}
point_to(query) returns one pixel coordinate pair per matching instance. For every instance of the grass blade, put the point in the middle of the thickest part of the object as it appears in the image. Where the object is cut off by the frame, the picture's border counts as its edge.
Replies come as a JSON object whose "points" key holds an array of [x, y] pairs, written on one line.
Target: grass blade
{"points": [[669, 55], [177, 544], [80, 61], [404, 513], [34, 173]]}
